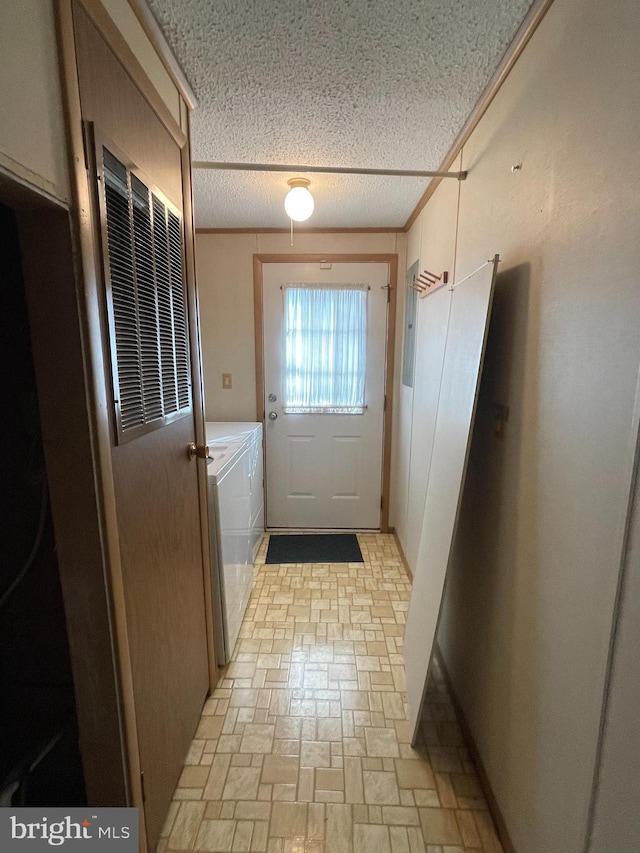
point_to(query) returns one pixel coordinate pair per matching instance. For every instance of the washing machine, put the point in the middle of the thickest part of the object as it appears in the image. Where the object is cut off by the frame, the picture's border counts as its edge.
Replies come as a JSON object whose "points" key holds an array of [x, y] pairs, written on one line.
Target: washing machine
{"points": [[236, 522]]}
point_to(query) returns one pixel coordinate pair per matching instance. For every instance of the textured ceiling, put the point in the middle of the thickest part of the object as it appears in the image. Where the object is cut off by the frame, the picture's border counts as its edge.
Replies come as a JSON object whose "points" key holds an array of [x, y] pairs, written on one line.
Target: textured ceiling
{"points": [[383, 84]]}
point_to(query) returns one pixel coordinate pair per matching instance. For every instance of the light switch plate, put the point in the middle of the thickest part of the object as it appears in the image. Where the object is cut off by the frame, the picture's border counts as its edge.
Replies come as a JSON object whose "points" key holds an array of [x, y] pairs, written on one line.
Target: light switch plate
{"points": [[227, 381]]}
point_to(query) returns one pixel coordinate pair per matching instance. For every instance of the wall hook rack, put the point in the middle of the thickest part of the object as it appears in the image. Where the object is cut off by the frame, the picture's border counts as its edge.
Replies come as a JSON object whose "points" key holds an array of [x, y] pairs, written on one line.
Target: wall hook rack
{"points": [[426, 279]]}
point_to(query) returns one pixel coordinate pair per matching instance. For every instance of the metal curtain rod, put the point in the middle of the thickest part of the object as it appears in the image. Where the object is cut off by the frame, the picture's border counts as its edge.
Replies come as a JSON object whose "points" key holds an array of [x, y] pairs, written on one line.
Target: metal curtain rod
{"points": [[330, 170]]}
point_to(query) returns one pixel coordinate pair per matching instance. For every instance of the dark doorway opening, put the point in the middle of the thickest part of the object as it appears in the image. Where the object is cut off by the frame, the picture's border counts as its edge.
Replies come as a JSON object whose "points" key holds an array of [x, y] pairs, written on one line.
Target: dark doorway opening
{"points": [[40, 761]]}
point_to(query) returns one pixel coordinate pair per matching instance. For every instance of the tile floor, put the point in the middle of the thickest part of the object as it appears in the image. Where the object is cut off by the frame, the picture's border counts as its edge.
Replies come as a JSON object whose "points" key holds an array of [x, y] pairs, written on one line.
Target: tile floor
{"points": [[304, 747]]}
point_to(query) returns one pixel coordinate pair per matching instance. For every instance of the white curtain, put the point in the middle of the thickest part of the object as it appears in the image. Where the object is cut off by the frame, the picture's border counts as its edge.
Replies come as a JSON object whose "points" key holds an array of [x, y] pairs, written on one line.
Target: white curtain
{"points": [[325, 348]]}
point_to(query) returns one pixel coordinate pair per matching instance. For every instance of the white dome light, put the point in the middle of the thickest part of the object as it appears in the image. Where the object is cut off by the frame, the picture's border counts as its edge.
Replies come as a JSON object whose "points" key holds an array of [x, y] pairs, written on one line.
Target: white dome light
{"points": [[299, 202]]}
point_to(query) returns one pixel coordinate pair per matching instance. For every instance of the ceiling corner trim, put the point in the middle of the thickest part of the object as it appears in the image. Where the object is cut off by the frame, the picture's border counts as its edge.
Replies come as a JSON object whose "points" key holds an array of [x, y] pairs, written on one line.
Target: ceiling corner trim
{"points": [[533, 19], [168, 58]]}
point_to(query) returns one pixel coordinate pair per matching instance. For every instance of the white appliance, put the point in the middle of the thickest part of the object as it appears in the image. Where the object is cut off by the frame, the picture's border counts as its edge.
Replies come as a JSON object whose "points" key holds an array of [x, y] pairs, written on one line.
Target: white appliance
{"points": [[236, 520]]}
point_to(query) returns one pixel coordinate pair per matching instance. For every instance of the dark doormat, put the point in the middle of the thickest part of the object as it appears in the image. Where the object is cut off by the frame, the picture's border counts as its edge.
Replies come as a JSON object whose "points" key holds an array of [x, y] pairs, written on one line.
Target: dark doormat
{"points": [[314, 548]]}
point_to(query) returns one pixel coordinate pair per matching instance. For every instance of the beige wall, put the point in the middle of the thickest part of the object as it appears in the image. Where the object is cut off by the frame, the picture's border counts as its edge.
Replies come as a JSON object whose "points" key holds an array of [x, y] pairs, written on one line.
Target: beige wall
{"points": [[528, 610], [32, 133], [225, 285]]}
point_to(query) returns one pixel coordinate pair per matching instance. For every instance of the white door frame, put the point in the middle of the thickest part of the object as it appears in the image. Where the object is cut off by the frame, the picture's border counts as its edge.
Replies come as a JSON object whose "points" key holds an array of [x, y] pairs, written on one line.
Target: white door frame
{"points": [[258, 261]]}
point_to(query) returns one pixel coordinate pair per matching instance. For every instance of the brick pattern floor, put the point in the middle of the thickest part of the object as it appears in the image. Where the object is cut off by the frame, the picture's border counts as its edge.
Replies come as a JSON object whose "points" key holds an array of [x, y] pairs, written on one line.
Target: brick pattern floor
{"points": [[304, 746]]}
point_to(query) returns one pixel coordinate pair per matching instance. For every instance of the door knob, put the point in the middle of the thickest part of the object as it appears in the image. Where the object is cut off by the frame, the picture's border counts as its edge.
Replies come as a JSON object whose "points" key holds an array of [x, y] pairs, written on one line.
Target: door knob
{"points": [[273, 416], [272, 398], [197, 451]]}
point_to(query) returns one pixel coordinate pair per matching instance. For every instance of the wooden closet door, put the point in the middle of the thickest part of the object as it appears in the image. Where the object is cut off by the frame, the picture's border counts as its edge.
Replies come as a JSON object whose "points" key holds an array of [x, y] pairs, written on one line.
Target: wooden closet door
{"points": [[156, 485]]}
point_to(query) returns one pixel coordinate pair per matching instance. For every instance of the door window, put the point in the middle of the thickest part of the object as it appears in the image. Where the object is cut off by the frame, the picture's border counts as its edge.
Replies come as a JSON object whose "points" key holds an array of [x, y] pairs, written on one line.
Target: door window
{"points": [[325, 341]]}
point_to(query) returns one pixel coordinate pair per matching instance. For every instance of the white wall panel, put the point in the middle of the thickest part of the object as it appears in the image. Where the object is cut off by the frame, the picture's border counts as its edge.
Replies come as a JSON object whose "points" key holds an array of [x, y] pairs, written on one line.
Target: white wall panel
{"points": [[433, 323], [466, 309]]}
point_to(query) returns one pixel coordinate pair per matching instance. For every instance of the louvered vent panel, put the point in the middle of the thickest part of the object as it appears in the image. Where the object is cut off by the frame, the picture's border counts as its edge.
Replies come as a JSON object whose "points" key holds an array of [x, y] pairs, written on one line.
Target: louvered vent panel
{"points": [[123, 293], [148, 314], [165, 312], [183, 373], [147, 311]]}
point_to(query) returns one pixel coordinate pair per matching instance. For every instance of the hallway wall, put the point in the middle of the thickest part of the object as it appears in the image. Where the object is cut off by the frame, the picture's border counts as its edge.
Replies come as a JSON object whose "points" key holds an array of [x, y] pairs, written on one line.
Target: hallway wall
{"points": [[529, 605]]}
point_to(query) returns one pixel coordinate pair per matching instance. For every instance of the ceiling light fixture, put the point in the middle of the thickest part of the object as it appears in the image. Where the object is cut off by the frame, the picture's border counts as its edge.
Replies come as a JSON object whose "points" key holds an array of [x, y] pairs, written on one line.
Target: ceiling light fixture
{"points": [[299, 201]]}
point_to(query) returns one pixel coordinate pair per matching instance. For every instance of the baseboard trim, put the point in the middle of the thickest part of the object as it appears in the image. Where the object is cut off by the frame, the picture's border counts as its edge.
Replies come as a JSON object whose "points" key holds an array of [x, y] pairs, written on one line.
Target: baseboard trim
{"points": [[492, 803], [402, 556]]}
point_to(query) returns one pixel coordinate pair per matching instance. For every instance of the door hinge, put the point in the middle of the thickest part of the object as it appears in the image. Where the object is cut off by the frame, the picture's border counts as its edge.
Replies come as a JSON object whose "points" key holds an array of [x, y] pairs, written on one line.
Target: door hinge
{"points": [[381, 501], [144, 793], [384, 406]]}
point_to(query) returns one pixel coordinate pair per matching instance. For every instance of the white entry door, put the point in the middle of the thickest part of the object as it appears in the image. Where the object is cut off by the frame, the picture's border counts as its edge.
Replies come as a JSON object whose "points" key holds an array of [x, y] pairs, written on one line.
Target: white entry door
{"points": [[325, 334]]}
